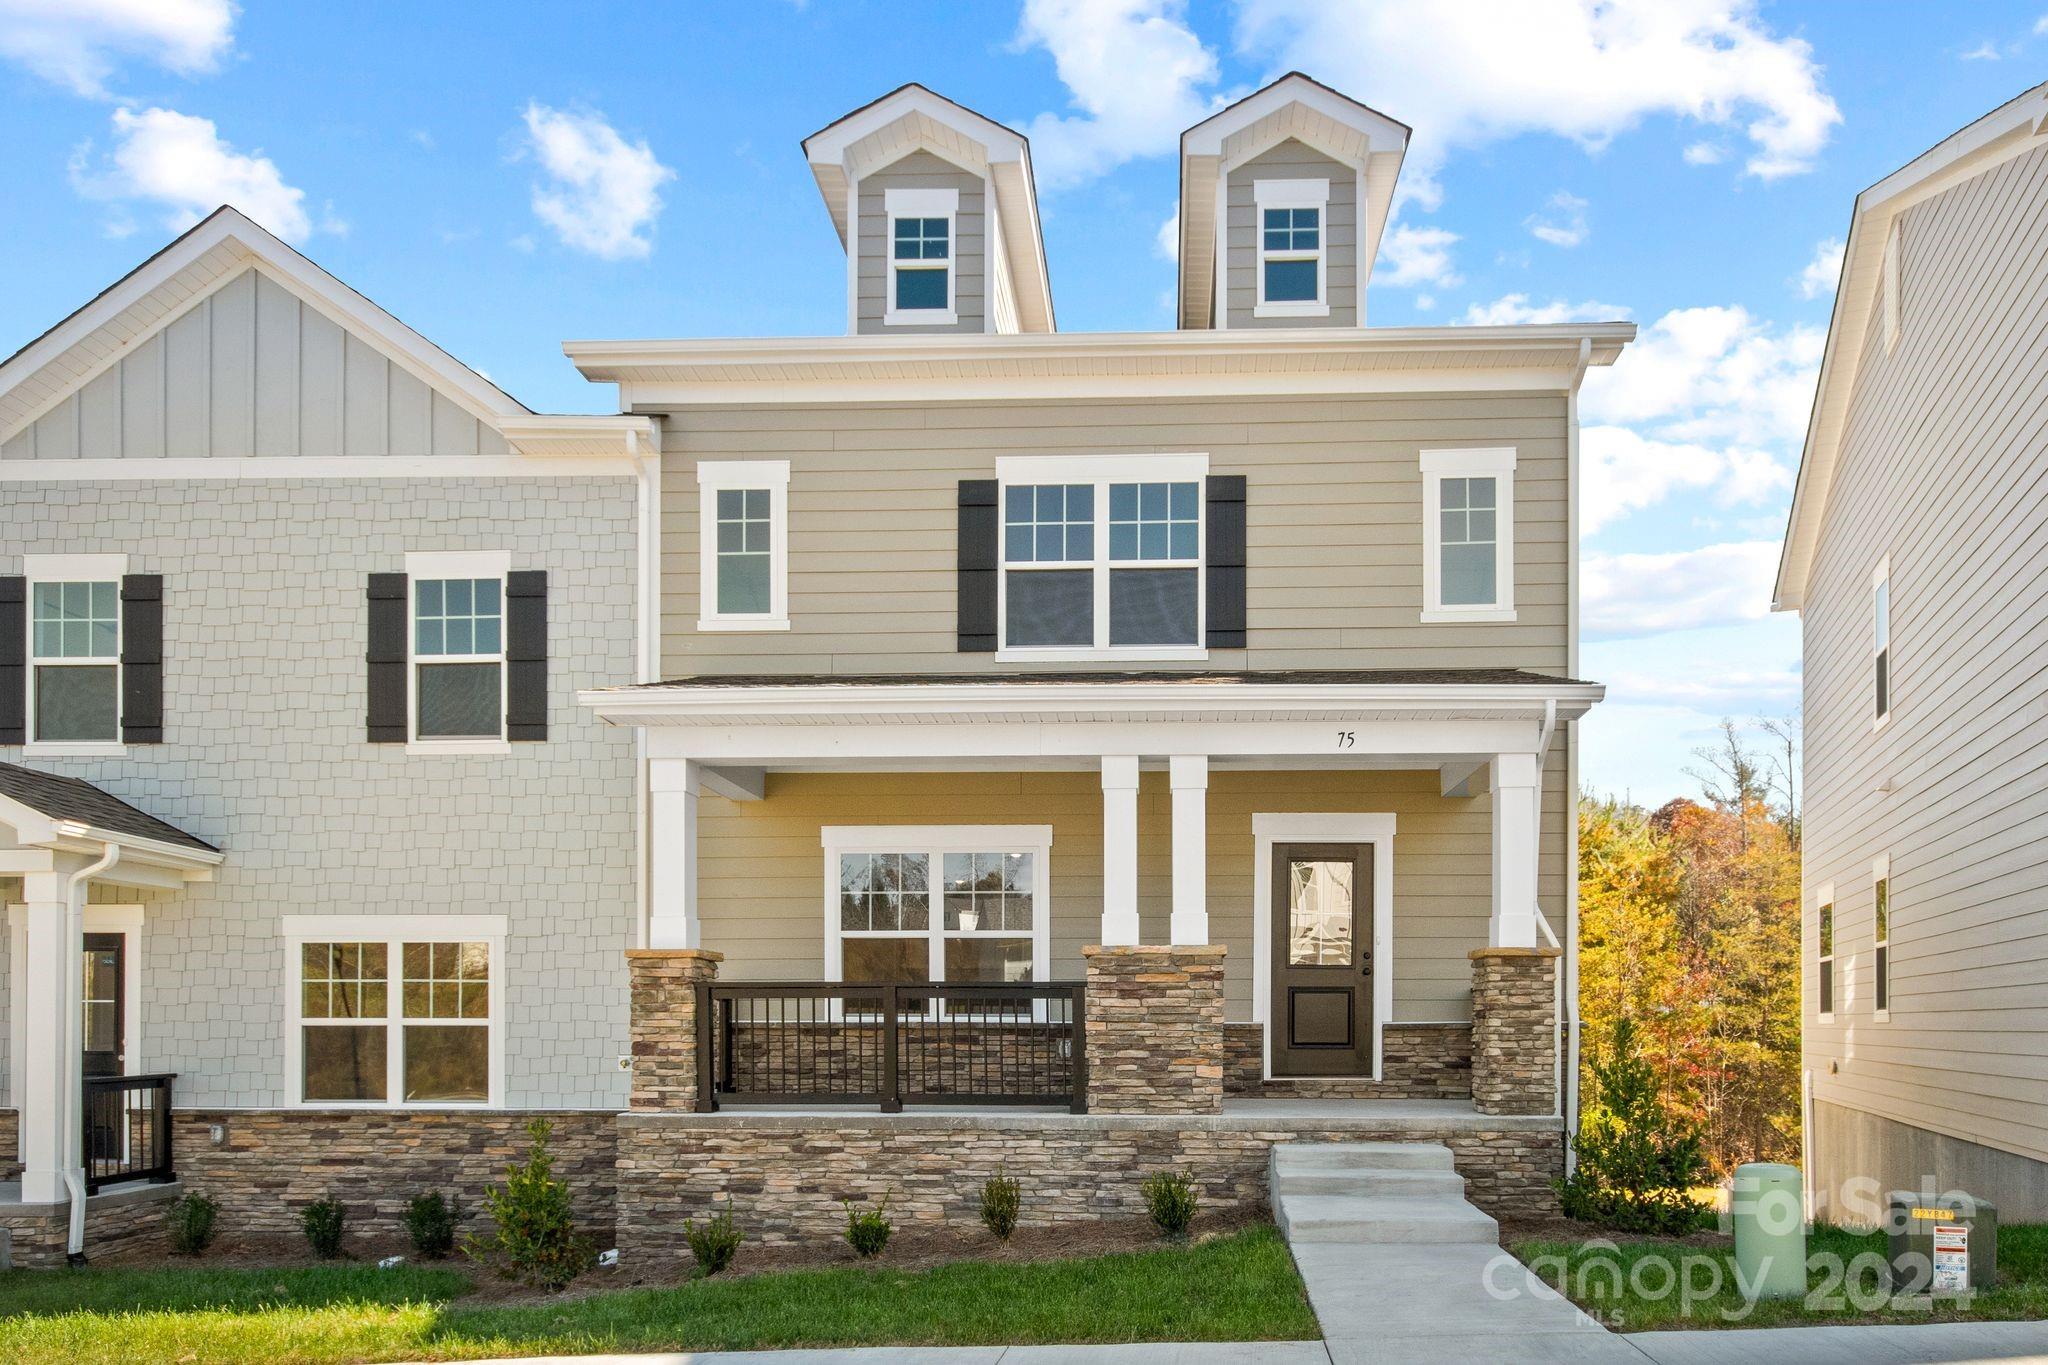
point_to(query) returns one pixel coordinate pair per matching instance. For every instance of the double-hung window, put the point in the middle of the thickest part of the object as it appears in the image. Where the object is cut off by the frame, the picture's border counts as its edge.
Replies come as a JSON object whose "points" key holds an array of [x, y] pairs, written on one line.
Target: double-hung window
{"points": [[920, 277], [1881, 935], [1825, 954], [744, 555], [396, 1009], [1292, 247], [1881, 643], [458, 648], [1102, 555], [74, 650], [1468, 533]]}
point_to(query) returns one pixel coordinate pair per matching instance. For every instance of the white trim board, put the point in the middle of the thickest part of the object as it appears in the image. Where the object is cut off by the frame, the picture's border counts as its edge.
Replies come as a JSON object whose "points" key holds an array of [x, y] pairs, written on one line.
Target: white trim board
{"points": [[125, 920], [188, 469], [1374, 828]]}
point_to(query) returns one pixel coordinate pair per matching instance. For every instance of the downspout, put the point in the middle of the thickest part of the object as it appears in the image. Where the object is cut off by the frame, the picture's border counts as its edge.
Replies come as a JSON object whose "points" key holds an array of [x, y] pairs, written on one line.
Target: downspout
{"points": [[1557, 994], [74, 1049], [646, 654], [1569, 977]]}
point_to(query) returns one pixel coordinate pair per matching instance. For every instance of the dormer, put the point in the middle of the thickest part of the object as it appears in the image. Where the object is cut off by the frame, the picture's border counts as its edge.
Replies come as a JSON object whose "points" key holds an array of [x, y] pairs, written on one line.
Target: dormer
{"points": [[938, 212], [1284, 196]]}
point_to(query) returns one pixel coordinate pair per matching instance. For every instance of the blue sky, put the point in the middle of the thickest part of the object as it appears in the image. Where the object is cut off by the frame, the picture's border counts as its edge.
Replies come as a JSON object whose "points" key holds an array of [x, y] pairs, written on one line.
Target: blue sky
{"points": [[507, 176]]}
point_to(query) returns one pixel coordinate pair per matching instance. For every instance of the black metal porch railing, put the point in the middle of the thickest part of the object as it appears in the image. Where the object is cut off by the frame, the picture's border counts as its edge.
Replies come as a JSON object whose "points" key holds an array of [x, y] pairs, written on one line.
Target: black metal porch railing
{"points": [[127, 1129], [891, 1044]]}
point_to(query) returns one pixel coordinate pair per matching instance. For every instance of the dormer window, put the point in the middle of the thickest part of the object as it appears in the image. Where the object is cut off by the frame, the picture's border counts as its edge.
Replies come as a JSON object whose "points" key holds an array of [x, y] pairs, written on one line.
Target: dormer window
{"points": [[1292, 256], [920, 255]]}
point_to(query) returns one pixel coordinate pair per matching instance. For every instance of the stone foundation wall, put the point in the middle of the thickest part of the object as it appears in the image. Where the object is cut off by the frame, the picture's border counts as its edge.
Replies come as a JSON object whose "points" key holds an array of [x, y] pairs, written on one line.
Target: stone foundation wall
{"points": [[1514, 1030], [786, 1177], [1154, 1027], [119, 1222], [274, 1162], [10, 1144], [1418, 1062], [664, 1015]]}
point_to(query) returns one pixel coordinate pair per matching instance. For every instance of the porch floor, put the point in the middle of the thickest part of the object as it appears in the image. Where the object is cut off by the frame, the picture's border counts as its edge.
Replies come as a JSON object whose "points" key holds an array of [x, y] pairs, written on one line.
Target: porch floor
{"points": [[1239, 1115]]}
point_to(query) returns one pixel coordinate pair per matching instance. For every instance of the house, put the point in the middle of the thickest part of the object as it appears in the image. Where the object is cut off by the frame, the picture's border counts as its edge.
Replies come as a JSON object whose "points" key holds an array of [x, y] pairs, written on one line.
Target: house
{"points": [[984, 723], [1911, 558]]}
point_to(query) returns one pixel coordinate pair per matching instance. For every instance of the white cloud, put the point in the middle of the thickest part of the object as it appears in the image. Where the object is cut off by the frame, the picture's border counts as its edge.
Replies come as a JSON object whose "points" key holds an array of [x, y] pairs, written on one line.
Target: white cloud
{"points": [[1713, 373], [180, 162], [1136, 73], [1168, 240], [77, 43], [1648, 594], [1986, 51], [1563, 223], [1510, 309], [1704, 154], [1818, 279], [1417, 256], [2041, 26], [1626, 471], [1484, 70], [602, 193]]}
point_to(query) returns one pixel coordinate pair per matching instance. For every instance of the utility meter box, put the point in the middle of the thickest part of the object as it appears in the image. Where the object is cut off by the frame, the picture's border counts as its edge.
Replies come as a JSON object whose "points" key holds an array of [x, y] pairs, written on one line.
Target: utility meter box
{"points": [[1944, 1247], [1769, 1220]]}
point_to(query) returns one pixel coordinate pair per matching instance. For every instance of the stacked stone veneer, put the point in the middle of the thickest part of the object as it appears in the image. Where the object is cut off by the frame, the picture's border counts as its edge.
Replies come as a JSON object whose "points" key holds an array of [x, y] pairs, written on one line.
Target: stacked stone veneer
{"points": [[1417, 1062], [664, 983], [10, 1144], [126, 1220], [1153, 1027], [1514, 1030]]}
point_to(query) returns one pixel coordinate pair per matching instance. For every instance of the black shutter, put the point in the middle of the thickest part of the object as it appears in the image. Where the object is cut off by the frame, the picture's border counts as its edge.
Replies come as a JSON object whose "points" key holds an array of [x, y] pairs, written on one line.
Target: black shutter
{"points": [[386, 656], [526, 654], [13, 660], [977, 566], [1226, 561], [142, 658]]}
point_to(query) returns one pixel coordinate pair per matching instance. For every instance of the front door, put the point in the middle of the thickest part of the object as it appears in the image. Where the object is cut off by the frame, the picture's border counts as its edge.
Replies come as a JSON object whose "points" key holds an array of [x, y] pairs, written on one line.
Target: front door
{"points": [[106, 1052], [1322, 959]]}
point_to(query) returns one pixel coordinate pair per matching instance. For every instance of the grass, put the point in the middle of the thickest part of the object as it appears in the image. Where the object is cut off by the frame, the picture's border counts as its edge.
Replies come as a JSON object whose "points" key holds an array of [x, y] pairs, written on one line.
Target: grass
{"points": [[1241, 1287], [1623, 1285]]}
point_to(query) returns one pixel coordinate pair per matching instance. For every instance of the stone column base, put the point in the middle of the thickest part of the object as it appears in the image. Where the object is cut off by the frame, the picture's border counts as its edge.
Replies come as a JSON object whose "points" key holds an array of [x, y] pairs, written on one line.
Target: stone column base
{"points": [[1514, 1030], [664, 986], [1154, 1029]]}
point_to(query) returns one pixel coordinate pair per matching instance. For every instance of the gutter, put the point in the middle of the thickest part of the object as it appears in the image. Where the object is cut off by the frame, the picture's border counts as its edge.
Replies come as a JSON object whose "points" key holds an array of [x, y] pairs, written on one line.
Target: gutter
{"points": [[74, 1069]]}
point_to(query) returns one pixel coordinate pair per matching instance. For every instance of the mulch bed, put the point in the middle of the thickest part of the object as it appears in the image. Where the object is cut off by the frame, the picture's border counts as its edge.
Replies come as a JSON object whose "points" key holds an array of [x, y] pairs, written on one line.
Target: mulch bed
{"points": [[1558, 1228]]}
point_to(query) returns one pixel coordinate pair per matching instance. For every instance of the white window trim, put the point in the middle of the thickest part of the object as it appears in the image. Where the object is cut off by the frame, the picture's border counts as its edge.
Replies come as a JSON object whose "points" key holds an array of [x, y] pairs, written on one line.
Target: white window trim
{"points": [[1894, 323], [1438, 465], [712, 476], [1880, 871], [920, 203], [1881, 577], [936, 841], [1825, 896], [125, 920], [1101, 471], [421, 564], [1291, 194], [393, 931], [71, 568]]}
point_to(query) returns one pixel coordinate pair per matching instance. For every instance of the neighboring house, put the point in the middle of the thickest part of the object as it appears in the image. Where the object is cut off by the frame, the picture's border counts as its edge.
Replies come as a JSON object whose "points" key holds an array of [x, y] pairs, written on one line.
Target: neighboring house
{"points": [[1107, 721], [1913, 557]]}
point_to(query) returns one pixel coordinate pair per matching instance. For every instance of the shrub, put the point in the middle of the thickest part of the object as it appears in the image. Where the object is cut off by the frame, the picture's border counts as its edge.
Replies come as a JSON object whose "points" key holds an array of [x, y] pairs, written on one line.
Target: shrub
{"points": [[1170, 1197], [1000, 1198], [868, 1231], [1636, 1163], [323, 1220], [430, 1222], [533, 1236], [713, 1241], [191, 1221]]}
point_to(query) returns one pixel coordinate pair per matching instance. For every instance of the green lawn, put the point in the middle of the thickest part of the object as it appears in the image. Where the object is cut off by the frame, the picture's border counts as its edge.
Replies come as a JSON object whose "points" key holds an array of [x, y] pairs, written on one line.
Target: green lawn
{"points": [[1624, 1285], [1237, 1288]]}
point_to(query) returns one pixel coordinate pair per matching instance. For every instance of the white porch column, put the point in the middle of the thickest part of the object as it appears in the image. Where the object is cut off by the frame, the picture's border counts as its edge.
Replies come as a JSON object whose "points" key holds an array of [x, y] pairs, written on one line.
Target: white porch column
{"points": [[1514, 851], [1119, 851], [53, 960], [672, 854], [1189, 774]]}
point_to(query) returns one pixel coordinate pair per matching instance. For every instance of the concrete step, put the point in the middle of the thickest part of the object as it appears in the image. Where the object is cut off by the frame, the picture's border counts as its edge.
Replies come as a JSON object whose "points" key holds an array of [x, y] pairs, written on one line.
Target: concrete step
{"points": [[1381, 1219], [1448, 1184], [1290, 1157]]}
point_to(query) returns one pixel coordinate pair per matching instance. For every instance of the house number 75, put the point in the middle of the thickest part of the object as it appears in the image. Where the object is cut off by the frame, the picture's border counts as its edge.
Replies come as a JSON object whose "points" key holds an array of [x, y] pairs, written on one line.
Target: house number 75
{"points": [[1346, 738]]}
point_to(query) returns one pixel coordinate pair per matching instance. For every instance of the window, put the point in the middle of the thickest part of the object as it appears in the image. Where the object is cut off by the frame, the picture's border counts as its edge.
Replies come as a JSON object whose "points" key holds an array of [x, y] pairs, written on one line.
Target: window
{"points": [[1102, 555], [1881, 935], [1881, 642], [1468, 517], [74, 651], [1825, 953], [745, 554], [960, 903], [1290, 247], [920, 273], [395, 1009], [458, 650]]}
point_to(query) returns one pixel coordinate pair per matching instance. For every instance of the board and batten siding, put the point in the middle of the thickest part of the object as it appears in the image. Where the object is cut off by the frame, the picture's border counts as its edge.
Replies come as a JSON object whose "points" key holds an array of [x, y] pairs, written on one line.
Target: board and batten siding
{"points": [[1334, 524], [1293, 160], [252, 370], [761, 883], [923, 171], [1941, 468]]}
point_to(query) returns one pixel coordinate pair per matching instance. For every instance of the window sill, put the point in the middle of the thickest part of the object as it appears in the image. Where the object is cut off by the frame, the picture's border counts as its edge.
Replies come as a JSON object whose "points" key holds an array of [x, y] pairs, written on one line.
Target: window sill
{"points": [[1880, 722], [63, 748], [1126, 653], [740, 623], [400, 1106], [1880, 1016], [1824, 1018], [926, 317], [479, 747], [1446, 615], [1291, 310]]}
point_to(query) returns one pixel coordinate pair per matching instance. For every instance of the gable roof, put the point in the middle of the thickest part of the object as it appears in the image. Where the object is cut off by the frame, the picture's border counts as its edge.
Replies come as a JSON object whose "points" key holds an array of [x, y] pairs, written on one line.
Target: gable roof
{"points": [[2020, 125], [913, 117], [78, 801]]}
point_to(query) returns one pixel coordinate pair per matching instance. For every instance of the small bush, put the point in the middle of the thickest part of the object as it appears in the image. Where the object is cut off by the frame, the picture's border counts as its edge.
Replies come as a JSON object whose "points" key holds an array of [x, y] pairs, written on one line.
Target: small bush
{"points": [[1000, 1198], [1170, 1197], [713, 1241], [430, 1222], [1636, 1163], [868, 1231], [533, 1235], [323, 1220], [191, 1220]]}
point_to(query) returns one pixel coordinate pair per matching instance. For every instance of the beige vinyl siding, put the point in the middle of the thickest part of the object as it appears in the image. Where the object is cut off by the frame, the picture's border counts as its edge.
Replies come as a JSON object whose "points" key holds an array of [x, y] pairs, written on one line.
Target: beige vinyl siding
{"points": [[1293, 160], [251, 370], [1334, 523], [761, 872], [1941, 469], [921, 170]]}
